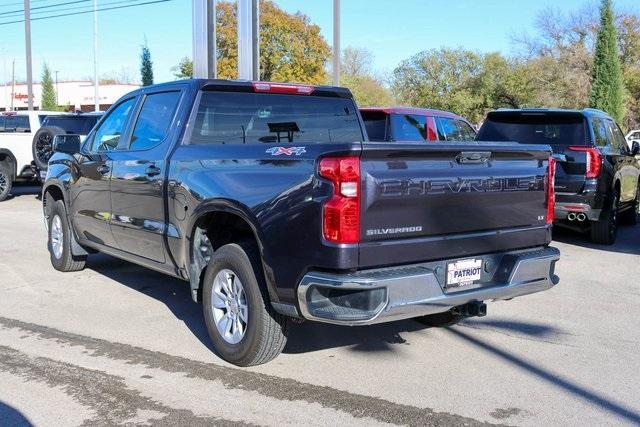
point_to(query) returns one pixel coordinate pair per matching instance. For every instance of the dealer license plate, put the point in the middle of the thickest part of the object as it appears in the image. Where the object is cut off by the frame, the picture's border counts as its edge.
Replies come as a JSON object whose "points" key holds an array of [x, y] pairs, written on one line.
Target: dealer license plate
{"points": [[463, 273]]}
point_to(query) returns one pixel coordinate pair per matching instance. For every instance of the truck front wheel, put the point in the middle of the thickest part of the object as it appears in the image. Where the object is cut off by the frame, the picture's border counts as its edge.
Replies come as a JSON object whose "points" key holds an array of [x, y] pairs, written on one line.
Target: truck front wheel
{"points": [[59, 244], [243, 327]]}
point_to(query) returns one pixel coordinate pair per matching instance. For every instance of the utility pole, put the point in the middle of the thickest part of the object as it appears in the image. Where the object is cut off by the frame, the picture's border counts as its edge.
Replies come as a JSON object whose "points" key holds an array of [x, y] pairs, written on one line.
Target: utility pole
{"points": [[204, 39], [13, 82], [27, 39], [96, 82], [248, 40]]}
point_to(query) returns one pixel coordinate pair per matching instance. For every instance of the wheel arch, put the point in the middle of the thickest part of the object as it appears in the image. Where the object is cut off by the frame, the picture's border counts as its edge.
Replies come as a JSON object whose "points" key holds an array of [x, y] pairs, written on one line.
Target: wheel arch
{"points": [[223, 221]]}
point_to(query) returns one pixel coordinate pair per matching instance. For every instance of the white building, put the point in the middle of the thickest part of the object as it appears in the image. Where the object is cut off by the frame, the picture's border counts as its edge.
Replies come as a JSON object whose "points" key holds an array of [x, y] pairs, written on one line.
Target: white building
{"points": [[78, 95]]}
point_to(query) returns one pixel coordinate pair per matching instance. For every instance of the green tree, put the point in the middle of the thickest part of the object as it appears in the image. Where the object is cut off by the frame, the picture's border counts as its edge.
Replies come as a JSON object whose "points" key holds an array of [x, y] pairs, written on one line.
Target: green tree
{"points": [[184, 69], [49, 98], [607, 85], [146, 66], [291, 47], [356, 74]]}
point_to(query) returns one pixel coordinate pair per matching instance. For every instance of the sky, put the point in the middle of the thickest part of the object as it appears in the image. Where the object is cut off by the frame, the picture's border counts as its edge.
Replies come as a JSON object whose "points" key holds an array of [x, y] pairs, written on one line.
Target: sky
{"points": [[392, 30]]}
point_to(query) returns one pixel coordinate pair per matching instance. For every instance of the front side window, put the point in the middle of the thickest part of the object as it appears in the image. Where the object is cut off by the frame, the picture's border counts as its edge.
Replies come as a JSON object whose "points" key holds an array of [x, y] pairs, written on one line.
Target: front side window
{"points": [[262, 118], [108, 135], [154, 120], [17, 124], [408, 127]]}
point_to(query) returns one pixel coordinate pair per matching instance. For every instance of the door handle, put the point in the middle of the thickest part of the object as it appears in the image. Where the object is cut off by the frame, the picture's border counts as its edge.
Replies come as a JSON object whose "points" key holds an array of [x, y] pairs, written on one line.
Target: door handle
{"points": [[152, 170], [104, 169]]}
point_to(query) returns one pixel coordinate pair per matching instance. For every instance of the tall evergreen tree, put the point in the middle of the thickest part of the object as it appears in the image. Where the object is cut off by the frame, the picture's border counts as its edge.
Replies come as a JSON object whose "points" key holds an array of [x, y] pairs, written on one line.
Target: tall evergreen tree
{"points": [[607, 84], [146, 66], [48, 102]]}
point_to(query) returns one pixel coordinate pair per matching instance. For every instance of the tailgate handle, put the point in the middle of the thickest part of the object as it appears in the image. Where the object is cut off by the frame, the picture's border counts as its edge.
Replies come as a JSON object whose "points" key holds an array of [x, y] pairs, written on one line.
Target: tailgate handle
{"points": [[473, 157]]}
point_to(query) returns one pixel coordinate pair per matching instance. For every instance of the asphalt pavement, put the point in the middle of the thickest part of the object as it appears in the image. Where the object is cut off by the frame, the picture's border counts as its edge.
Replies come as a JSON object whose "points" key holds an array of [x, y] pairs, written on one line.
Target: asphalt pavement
{"points": [[118, 344]]}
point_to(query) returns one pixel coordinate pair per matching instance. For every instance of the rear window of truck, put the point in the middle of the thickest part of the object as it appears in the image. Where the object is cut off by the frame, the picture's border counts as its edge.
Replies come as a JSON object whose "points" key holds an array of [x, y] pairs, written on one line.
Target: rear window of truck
{"points": [[80, 125], [552, 129], [376, 124], [256, 118], [14, 123]]}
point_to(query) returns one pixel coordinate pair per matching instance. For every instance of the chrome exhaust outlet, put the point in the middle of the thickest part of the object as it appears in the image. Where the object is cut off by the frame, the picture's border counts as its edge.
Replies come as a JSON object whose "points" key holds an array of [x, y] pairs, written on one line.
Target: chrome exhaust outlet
{"points": [[571, 216], [581, 217]]}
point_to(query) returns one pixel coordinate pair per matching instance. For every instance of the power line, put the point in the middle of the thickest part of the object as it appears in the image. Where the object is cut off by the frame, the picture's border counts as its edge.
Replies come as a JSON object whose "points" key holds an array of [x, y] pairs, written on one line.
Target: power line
{"points": [[86, 11], [45, 7], [83, 7], [20, 3]]}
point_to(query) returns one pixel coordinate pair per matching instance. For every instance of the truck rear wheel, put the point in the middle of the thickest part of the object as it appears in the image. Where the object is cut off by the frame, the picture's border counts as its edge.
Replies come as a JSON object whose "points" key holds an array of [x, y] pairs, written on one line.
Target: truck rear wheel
{"points": [[244, 328], [59, 244], [605, 231], [5, 182]]}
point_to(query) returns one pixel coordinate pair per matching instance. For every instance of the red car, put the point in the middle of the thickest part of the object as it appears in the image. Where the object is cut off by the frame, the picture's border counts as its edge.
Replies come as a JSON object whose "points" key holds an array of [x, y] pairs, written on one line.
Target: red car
{"points": [[415, 124]]}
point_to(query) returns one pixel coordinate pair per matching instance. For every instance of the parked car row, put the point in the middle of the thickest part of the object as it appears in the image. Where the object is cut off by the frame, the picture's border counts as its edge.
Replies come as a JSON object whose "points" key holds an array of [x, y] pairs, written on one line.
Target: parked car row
{"points": [[26, 139]]}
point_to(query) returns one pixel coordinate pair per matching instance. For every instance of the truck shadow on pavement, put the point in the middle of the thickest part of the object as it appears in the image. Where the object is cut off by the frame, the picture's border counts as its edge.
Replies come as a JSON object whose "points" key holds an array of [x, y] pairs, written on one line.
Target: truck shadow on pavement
{"points": [[628, 241], [10, 416], [305, 337], [23, 189]]}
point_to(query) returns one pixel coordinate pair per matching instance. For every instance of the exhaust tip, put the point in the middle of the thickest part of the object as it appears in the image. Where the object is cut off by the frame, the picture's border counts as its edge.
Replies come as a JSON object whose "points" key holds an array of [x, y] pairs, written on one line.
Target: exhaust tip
{"points": [[581, 217], [571, 216]]}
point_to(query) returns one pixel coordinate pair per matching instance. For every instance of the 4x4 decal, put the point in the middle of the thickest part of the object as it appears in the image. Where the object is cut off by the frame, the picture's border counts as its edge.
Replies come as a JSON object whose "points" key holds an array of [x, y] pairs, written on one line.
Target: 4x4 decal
{"points": [[287, 151]]}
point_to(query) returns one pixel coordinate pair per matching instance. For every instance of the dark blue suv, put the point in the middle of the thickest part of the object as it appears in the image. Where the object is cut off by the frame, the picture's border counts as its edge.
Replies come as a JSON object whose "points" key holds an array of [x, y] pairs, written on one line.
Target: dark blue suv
{"points": [[597, 176]]}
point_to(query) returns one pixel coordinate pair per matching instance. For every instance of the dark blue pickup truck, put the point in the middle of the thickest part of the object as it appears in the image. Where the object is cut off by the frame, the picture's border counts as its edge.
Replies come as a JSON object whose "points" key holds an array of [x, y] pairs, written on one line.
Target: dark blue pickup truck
{"points": [[271, 202]]}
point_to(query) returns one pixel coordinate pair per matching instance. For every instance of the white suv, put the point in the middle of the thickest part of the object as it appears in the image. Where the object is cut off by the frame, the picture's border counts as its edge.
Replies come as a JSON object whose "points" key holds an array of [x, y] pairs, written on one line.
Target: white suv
{"points": [[17, 129], [634, 135]]}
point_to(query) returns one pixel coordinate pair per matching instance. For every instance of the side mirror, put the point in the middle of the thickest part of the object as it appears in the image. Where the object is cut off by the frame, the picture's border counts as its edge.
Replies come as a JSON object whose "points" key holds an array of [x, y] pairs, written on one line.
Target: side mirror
{"points": [[635, 148], [68, 144]]}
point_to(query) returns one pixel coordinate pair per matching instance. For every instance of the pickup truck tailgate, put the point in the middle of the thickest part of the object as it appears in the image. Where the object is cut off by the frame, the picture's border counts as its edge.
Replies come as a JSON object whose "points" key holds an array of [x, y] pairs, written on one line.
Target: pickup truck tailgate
{"points": [[426, 202]]}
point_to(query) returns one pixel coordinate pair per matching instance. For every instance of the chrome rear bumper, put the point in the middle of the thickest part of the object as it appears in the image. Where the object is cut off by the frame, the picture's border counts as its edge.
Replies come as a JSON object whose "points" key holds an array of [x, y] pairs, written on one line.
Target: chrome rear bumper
{"points": [[387, 294]]}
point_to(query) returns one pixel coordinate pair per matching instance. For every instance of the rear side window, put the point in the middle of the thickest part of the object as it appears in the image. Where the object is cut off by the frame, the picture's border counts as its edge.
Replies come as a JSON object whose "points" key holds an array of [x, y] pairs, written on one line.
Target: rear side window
{"points": [[455, 129], [552, 129], [259, 118], [16, 123], [618, 141], [600, 132], [154, 120], [408, 127], [376, 123]]}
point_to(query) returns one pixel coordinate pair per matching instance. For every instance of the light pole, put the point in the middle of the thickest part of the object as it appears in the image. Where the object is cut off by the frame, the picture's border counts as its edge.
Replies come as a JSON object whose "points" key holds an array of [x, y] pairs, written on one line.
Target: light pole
{"points": [[336, 42], [204, 39], [248, 50]]}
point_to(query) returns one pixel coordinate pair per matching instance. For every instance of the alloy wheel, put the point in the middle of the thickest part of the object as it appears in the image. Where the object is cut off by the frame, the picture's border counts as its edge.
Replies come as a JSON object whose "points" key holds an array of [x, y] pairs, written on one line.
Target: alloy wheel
{"points": [[229, 305], [57, 237]]}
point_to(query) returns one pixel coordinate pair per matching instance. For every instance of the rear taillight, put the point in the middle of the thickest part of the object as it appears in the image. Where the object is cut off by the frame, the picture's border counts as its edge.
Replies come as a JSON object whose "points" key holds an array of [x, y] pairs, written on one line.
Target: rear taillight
{"points": [[341, 213], [551, 194], [594, 160]]}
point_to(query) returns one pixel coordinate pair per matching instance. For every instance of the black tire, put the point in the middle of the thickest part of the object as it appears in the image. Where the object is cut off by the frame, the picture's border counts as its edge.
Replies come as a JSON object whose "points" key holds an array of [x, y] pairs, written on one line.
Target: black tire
{"points": [[630, 216], [265, 332], [42, 145], [440, 320], [5, 182], [605, 231], [62, 259]]}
